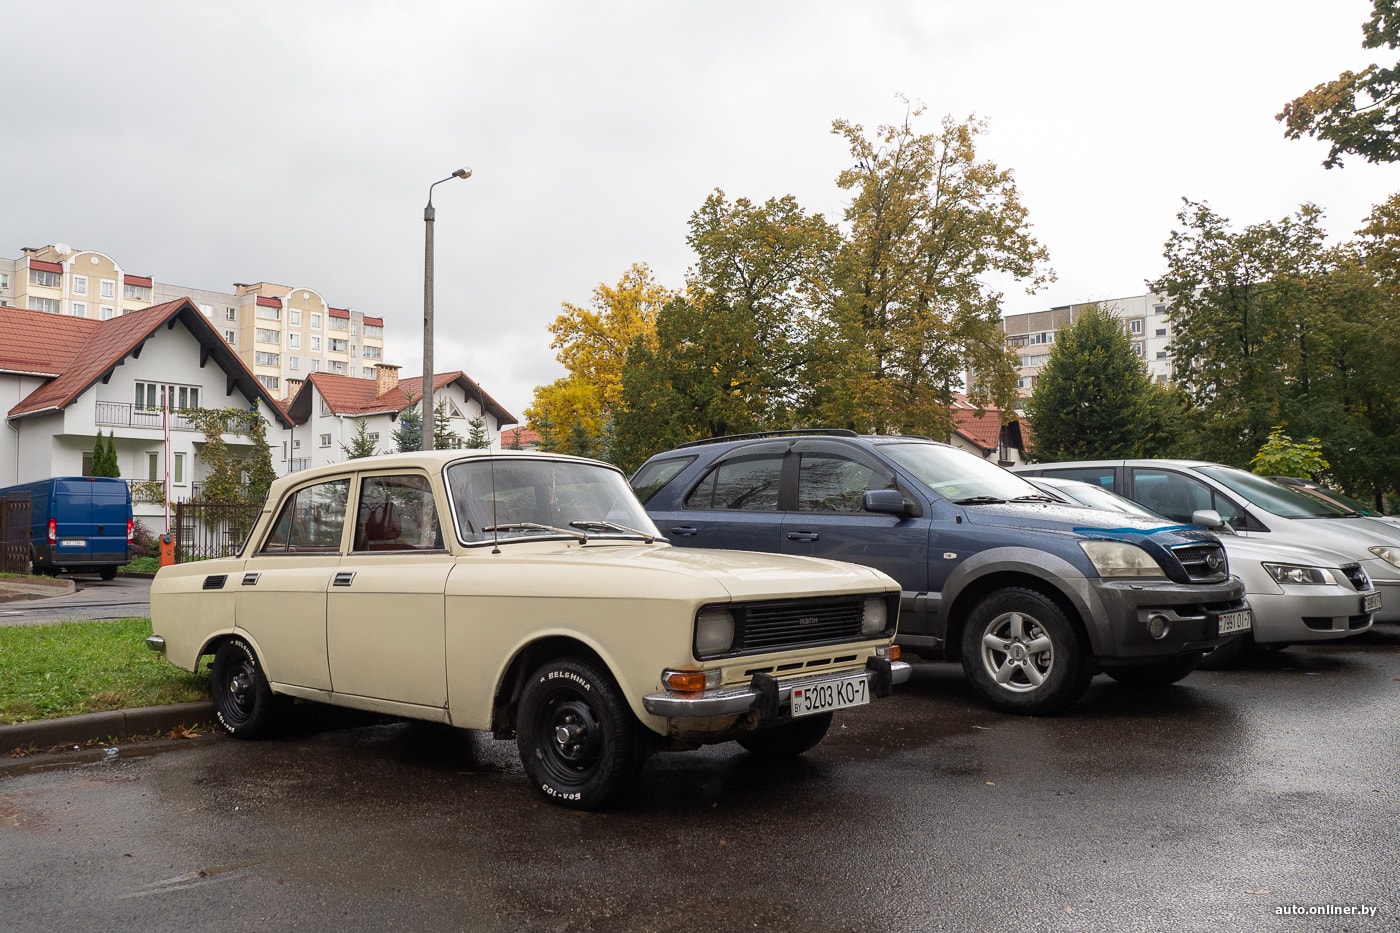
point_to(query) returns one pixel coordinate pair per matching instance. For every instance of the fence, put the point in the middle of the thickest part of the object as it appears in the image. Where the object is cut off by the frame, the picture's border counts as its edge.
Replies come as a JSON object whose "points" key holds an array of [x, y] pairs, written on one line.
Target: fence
{"points": [[211, 529], [14, 534]]}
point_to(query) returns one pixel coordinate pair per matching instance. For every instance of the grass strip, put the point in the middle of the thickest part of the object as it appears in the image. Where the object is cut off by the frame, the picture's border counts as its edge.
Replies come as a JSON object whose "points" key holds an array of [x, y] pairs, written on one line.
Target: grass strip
{"points": [[67, 668]]}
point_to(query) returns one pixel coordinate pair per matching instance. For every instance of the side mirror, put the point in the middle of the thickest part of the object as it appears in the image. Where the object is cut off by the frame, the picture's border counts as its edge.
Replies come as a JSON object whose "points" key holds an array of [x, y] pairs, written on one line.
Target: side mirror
{"points": [[1208, 518], [889, 501]]}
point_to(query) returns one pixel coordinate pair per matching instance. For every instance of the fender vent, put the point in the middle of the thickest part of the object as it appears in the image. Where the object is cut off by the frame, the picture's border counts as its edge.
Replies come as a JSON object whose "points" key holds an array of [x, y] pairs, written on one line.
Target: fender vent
{"points": [[215, 582]]}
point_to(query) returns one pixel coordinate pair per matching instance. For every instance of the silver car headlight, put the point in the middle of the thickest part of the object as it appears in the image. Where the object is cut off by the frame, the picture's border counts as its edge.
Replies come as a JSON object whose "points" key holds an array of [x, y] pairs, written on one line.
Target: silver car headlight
{"points": [[714, 632], [1295, 574], [1388, 553], [874, 617], [1120, 559]]}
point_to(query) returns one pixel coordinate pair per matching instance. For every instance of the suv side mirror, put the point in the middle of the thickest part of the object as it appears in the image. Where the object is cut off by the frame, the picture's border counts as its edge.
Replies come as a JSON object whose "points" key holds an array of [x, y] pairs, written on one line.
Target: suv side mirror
{"points": [[889, 501], [1209, 518]]}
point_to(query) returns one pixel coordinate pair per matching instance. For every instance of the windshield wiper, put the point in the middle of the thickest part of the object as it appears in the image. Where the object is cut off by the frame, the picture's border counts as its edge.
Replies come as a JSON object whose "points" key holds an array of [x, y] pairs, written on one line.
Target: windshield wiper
{"points": [[1037, 497], [536, 526], [612, 526], [980, 500]]}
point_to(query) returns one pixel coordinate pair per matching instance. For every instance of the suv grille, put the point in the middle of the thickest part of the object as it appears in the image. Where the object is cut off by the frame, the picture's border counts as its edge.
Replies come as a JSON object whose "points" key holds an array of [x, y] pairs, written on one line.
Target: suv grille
{"points": [[1203, 563], [1356, 576], [796, 623]]}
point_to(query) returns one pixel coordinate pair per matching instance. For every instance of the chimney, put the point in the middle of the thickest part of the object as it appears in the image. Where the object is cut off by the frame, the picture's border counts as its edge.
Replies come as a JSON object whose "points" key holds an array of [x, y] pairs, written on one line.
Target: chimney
{"points": [[386, 378], [294, 386]]}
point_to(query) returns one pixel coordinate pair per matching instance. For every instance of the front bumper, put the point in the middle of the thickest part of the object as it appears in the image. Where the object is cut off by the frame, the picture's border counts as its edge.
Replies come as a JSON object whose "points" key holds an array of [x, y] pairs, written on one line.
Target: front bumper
{"points": [[1190, 612], [1309, 613], [766, 695]]}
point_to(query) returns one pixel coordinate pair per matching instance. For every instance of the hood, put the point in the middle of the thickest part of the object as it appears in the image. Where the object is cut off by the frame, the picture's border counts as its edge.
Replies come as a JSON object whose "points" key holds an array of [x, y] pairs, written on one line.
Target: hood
{"points": [[1078, 522]]}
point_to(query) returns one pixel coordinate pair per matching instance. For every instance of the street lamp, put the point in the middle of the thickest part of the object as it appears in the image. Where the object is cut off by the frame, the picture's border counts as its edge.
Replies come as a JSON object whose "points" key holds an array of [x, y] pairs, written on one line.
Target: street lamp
{"points": [[426, 401]]}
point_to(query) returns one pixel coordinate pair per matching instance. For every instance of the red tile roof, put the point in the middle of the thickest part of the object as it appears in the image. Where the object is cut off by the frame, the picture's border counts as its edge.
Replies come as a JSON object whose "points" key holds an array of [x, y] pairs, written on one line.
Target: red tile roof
{"points": [[39, 343], [519, 437], [351, 395]]}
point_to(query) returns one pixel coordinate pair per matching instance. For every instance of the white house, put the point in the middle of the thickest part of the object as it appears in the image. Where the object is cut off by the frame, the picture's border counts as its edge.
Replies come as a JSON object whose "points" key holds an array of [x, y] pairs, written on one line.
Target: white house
{"points": [[64, 378]]}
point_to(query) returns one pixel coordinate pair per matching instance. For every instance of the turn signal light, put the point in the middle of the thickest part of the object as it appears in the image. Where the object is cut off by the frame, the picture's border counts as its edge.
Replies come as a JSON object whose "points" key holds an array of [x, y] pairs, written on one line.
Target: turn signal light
{"points": [[689, 681]]}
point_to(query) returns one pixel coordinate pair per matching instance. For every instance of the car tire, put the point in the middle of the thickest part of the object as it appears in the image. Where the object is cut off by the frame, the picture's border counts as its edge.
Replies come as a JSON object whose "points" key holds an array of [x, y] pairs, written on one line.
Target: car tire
{"points": [[1156, 675], [243, 701], [579, 742], [789, 739], [1022, 654], [108, 571]]}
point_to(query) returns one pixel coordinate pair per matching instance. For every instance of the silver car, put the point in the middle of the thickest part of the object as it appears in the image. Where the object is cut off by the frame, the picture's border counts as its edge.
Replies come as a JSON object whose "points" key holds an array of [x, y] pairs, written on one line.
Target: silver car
{"points": [[1298, 594]]}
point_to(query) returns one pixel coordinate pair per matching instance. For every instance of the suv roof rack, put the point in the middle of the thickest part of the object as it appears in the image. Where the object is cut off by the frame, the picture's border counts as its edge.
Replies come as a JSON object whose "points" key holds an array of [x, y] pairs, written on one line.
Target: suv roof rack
{"points": [[831, 432]]}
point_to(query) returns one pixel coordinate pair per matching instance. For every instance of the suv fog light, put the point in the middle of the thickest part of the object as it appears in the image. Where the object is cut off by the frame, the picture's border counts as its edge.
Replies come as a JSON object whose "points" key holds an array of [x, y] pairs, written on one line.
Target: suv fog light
{"points": [[1158, 626]]}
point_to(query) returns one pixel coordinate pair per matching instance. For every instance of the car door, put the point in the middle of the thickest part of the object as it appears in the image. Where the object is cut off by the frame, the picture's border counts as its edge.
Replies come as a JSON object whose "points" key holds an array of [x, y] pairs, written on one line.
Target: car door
{"points": [[385, 605], [734, 504], [281, 597], [1177, 495]]}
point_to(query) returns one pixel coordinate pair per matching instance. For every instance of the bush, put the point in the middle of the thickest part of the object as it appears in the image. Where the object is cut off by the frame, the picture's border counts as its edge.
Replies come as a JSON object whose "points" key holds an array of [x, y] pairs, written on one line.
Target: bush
{"points": [[144, 542]]}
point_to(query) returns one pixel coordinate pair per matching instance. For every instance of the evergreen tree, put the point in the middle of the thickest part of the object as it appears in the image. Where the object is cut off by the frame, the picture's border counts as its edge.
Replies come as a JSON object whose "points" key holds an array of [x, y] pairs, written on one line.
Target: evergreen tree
{"points": [[444, 438], [408, 436], [360, 445], [478, 438]]}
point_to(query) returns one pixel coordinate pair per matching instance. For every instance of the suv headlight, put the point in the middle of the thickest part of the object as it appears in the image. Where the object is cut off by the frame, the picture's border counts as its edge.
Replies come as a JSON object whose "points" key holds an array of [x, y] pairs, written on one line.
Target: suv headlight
{"points": [[714, 632], [1292, 573], [1388, 553], [1120, 559]]}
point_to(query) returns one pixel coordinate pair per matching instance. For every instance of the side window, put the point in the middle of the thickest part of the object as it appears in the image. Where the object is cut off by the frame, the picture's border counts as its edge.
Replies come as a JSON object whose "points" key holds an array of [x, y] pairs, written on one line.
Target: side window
{"points": [[1177, 496], [654, 476], [396, 513], [745, 483], [1094, 476], [311, 520], [829, 482]]}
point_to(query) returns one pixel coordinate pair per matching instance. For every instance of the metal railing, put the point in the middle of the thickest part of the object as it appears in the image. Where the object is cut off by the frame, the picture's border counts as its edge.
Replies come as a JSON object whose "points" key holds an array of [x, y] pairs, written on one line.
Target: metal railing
{"points": [[128, 415], [205, 530], [14, 534]]}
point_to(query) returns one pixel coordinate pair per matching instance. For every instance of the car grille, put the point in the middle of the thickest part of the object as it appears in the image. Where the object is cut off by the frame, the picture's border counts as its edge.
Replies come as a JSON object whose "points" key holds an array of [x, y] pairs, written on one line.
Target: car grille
{"points": [[1357, 577], [760, 627], [1203, 563]]}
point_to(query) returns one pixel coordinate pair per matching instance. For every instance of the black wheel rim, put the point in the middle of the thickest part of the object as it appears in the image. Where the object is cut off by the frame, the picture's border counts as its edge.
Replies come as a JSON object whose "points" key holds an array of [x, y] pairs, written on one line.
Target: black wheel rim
{"points": [[238, 695], [569, 737]]}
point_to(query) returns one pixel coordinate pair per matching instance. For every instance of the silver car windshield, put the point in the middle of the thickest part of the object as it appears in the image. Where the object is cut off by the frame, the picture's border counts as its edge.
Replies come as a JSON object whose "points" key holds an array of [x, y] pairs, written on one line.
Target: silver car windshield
{"points": [[1273, 497], [960, 476], [513, 498]]}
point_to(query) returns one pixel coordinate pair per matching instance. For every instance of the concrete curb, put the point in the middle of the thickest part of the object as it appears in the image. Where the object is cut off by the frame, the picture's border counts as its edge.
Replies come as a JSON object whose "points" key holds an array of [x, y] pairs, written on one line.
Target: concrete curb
{"points": [[115, 725], [20, 589]]}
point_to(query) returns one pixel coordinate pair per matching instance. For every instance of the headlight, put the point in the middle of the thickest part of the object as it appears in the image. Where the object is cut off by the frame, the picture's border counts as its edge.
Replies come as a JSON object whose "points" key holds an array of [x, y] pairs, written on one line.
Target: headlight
{"points": [[714, 632], [1292, 573], [1120, 559], [875, 617], [1388, 553]]}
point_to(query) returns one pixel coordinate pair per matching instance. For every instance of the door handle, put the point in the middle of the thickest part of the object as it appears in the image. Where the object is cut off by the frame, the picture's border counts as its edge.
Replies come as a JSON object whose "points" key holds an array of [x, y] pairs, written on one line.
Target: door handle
{"points": [[803, 535], [685, 531]]}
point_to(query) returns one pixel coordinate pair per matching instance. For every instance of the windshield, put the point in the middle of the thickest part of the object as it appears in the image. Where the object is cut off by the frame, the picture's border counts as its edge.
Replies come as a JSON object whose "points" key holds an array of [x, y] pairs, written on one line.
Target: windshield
{"points": [[1273, 497], [960, 476], [512, 498], [1096, 497]]}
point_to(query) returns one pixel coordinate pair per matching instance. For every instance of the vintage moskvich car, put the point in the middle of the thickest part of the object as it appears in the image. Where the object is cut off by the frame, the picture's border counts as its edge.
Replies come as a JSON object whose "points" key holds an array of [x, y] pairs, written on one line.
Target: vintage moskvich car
{"points": [[529, 595]]}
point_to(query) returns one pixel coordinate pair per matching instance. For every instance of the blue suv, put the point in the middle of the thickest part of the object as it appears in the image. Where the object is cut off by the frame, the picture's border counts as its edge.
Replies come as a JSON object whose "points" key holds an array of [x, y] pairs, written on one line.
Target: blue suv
{"points": [[1033, 596]]}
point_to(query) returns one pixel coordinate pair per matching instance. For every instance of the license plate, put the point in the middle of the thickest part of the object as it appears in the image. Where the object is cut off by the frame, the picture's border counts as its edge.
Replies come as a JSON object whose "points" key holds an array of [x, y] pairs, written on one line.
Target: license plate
{"points": [[1370, 602], [1237, 621], [71, 542], [829, 695]]}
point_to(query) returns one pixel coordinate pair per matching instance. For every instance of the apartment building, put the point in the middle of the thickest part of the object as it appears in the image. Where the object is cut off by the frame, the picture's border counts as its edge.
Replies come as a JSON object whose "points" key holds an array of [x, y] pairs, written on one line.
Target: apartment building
{"points": [[1144, 318], [280, 332]]}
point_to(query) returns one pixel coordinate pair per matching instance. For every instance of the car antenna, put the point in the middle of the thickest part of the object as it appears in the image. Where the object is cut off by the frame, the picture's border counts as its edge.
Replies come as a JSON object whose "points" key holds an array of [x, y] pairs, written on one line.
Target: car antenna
{"points": [[495, 524]]}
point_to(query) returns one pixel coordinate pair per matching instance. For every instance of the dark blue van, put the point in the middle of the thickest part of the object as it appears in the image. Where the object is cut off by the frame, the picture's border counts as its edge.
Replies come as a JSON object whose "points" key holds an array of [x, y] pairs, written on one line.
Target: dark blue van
{"points": [[77, 523]]}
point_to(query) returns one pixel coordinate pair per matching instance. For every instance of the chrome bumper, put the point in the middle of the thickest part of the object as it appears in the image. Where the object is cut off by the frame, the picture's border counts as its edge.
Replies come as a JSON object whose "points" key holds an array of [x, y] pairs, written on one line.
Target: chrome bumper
{"points": [[155, 643], [769, 695]]}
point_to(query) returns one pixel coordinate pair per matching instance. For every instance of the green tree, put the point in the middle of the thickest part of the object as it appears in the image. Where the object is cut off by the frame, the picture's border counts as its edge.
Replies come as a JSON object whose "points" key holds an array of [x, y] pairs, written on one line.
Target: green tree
{"points": [[360, 444], [931, 225], [1358, 113], [444, 438], [243, 476], [1093, 399], [408, 436], [478, 439], [572, 414], [1283, 456], [104, 456]]}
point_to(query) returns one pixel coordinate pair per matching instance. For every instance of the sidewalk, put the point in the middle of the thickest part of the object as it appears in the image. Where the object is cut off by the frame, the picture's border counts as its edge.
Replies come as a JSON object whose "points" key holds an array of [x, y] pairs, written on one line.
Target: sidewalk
{"points": [[111, 727]]}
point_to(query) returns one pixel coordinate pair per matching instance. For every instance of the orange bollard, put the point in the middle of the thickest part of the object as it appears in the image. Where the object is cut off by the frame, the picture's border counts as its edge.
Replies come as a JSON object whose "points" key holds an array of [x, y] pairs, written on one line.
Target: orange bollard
{"points": [[167, 549]]}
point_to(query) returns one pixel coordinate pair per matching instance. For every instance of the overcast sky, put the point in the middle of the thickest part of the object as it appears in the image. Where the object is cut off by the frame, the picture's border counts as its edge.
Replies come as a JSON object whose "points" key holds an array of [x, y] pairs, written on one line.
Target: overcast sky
{"points": [[294, 142]]}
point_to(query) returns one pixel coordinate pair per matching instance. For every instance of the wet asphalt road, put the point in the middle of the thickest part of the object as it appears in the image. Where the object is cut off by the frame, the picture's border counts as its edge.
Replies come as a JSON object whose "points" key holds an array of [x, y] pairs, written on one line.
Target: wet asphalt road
{"points": [[94, 598], [1212, 805]]}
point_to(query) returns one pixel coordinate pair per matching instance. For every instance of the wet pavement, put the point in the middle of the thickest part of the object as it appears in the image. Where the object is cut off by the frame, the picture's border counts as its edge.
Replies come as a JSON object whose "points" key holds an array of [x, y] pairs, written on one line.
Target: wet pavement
{"points": [[1238, 800], [125, 597]]}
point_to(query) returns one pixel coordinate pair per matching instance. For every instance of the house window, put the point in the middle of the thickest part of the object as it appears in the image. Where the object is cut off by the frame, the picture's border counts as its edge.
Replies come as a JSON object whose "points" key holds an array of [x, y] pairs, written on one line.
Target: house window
{"points": [[79, 309], [79, 284], [46, 279], [263, 335], [373, 436], [107, 312], [339, 346], [153, 467], [232, 337], [325, 408], [1135, 327], [374, 330], [153, 395], [1161, 332], [315, 320], [293, 316], [338, 367], [269, 313], [4, 280], [136, 292], [294, 363], [315, 365], [266, 359], [1137, 348], [269, 382], [109, 288], [294, 341], [374, 353], [325, 440], [179, 476], [367, 373], [339, 323], [230, 314], [315, 344], [1159, 309], [207, 311], [1161, 354]]}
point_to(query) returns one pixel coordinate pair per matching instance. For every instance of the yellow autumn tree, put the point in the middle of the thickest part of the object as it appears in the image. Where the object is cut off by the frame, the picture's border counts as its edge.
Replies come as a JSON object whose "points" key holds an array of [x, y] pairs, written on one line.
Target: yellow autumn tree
{"points": [[574, 413]]}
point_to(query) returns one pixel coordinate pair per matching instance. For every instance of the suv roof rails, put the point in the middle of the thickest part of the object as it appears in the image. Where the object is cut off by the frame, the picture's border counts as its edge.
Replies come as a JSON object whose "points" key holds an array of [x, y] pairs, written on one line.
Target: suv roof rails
{"points": [[831, 432]]}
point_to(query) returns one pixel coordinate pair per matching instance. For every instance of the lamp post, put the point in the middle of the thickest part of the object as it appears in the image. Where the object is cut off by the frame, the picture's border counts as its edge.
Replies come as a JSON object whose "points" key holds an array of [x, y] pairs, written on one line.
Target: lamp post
{"points": [[426, 401]]}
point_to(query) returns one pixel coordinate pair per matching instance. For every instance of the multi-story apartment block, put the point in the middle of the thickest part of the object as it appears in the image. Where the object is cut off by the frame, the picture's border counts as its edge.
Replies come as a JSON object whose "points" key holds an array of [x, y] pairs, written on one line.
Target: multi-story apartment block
{"points": [[1144, 318], [280, 332]]}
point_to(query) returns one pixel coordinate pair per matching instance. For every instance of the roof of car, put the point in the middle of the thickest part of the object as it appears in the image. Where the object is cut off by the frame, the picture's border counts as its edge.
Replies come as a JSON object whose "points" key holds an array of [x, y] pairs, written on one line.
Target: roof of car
{"points": [[428, 460], [800, 433]]}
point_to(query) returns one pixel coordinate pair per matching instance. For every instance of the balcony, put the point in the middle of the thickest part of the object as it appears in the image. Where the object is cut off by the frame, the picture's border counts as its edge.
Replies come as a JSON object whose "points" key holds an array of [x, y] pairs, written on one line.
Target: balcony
{"points": [[128, 415]]}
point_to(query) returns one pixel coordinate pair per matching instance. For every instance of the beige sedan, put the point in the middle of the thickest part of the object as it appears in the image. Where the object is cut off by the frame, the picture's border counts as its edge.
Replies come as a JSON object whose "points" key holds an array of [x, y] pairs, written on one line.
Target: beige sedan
{"points": [[531, 596]]}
